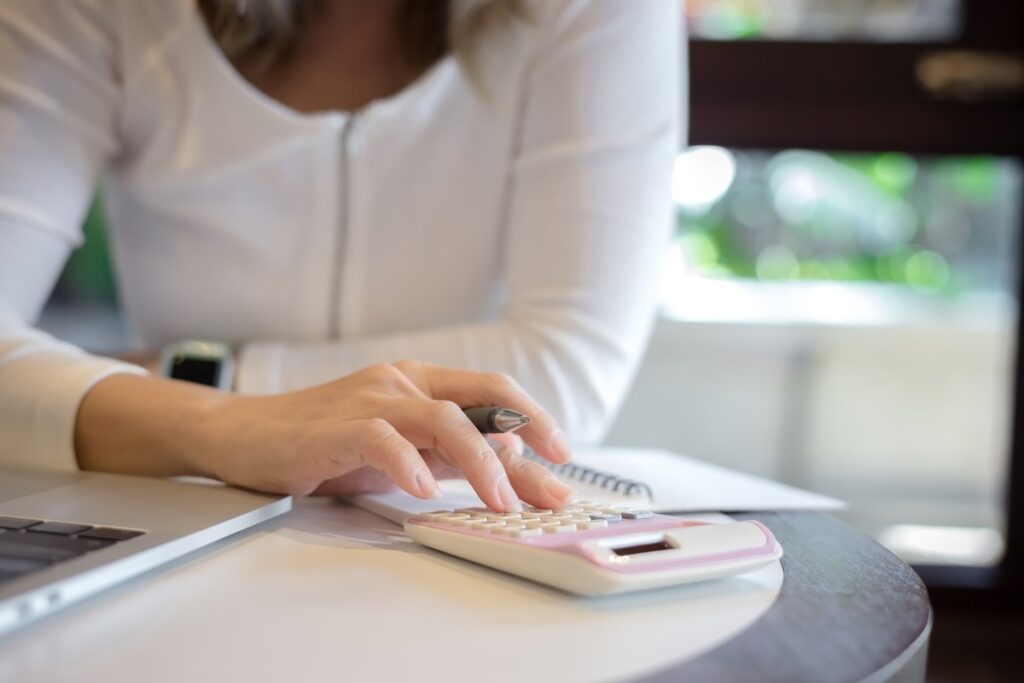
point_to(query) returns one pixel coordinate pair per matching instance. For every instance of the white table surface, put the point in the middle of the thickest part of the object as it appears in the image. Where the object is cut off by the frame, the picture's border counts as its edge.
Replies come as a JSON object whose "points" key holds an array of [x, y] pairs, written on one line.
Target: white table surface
{"points": [[332, 592]]}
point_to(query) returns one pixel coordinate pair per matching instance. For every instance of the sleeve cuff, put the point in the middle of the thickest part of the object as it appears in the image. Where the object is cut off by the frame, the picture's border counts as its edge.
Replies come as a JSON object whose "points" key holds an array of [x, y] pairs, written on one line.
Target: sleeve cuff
{"points": [[39, 398]]}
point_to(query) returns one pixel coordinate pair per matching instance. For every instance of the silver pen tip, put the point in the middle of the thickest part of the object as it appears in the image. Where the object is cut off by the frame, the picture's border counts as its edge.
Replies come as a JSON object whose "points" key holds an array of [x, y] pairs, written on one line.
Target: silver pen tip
{"points": [[510, 420]]}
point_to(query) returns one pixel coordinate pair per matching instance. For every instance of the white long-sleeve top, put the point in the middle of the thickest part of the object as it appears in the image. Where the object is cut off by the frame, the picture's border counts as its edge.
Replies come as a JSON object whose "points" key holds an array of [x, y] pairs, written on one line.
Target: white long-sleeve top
{"points": [[517, 226]]}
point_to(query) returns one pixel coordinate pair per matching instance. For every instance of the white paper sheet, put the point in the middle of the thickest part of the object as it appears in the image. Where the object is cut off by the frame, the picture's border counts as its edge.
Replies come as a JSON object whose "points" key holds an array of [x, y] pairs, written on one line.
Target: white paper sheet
{"points": [[684, 484], [679, 484]]}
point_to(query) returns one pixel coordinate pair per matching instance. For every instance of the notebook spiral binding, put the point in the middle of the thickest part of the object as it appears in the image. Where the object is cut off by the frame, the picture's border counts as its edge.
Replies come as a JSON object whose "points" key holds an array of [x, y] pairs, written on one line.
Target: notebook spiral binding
{"points": [[588, 475]]}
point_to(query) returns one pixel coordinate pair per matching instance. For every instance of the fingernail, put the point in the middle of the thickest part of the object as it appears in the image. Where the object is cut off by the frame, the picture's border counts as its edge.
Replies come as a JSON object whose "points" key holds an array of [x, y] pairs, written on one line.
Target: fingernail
{"points": [[557, 489], [507, 496], [560, 445], [426, 484]]}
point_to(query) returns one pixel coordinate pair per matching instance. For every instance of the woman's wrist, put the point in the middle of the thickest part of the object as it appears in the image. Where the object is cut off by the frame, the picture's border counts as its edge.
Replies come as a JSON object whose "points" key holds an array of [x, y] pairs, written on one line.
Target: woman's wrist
{"points": [[150, 426]]}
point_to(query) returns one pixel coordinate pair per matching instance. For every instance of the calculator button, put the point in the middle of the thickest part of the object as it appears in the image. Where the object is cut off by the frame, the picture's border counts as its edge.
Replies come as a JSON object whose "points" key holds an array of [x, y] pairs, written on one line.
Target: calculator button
{"points": [[463, 522], [436, 514], [487, 526], [524, 533], [637, 514], [473, 511], [455, 515], [608, 518], [592, 524]]}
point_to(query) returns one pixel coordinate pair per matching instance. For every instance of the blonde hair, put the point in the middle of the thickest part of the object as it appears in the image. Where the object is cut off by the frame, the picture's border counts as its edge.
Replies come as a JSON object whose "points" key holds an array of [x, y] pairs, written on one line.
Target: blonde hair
{"points": [[261, 33]]}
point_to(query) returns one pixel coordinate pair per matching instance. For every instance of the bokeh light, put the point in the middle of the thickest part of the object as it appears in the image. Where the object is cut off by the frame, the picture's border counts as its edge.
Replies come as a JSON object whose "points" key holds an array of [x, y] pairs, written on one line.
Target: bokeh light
{"points": [[702, 176]]}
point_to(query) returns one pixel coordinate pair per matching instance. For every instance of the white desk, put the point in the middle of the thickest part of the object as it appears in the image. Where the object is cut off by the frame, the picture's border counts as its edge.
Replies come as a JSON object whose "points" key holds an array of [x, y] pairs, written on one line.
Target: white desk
{"points": [[332, 592]]}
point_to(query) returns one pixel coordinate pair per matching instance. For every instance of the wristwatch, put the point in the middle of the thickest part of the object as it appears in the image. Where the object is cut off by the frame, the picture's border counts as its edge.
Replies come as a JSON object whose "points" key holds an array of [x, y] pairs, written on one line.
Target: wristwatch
{"points": [[203, 362]]}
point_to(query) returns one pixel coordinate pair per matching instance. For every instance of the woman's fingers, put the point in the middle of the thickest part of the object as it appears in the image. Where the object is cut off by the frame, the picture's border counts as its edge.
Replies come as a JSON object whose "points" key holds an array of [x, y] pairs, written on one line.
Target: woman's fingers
{"points": [[532, 481], [509, 439], [376, 443], [363, 480], [442, 426], [483, 389], [417, 406], [368, 479], [439, 467]]}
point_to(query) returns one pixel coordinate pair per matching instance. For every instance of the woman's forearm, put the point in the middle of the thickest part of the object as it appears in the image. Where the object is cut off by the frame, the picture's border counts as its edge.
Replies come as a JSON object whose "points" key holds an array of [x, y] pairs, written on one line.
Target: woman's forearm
{"points": [[148, 426]]}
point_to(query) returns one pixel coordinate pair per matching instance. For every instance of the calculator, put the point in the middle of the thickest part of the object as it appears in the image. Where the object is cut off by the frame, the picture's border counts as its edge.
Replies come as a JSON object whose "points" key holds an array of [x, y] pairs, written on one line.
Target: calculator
{"points": [[591, 549]]}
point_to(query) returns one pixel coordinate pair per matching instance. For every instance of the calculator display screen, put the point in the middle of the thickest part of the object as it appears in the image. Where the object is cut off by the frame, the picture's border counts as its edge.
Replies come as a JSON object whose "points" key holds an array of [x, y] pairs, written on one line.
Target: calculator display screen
{"points": [[644, 548]]}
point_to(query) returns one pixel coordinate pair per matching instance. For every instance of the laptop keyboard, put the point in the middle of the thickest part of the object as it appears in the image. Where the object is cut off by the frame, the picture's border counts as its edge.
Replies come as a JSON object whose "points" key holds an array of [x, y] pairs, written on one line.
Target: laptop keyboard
{"points": [[28, 545]]}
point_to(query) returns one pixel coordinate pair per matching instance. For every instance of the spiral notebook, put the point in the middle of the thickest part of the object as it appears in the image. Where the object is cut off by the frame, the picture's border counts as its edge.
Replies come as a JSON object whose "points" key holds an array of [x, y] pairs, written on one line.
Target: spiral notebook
{"points": [[593, 483], [656, 479]]}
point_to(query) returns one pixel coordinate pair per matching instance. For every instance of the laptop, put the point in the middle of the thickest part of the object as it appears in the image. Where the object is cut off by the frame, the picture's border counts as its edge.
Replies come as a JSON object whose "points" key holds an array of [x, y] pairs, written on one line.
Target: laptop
{"points": [[64, 537]]}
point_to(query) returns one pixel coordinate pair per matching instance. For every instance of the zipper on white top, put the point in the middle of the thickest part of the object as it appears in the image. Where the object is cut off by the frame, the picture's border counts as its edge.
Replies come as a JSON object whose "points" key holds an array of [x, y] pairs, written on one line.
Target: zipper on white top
{"points": [[341, 238]]}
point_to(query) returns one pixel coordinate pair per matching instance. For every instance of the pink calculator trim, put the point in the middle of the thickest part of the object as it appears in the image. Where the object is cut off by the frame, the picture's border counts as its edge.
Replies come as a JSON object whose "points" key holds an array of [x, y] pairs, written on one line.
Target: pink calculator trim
{"points": [[573, 543]]}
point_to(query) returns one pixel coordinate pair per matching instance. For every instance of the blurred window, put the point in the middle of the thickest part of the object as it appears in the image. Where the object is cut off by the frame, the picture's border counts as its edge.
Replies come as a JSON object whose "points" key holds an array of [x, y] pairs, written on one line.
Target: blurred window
{"points": [[909, 236], [898, 268], [898, 272]]}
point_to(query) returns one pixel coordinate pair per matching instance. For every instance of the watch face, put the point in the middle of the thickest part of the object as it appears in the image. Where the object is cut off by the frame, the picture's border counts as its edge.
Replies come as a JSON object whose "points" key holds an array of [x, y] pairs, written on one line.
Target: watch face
{"points": [[198, 370]]}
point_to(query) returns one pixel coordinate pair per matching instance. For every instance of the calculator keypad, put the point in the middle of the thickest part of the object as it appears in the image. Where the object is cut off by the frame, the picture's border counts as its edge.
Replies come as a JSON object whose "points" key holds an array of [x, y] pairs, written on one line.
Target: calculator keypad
{"points": [[594, 549], [531, 522]]}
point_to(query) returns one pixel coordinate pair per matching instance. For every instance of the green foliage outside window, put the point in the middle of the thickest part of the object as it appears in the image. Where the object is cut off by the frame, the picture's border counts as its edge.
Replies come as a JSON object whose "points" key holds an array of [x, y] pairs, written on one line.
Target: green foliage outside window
{"points": [[942, 225]]}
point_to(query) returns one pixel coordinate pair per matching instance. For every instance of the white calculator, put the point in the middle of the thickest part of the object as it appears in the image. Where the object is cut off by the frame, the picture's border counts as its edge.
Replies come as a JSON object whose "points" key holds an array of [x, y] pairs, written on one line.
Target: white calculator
{"points": [[591, 549]]}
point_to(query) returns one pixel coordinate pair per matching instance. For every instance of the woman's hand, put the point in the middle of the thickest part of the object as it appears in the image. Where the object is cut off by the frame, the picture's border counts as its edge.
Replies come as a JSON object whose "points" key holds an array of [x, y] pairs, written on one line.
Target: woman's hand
{"points": [[318, 440]]}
